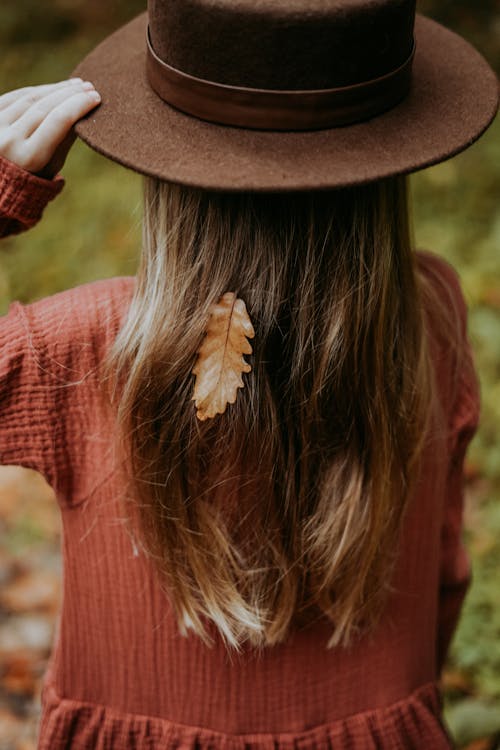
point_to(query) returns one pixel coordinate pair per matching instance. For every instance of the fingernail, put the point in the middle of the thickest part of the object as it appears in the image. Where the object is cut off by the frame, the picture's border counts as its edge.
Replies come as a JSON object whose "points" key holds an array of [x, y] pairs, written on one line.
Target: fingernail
{"points": [[95, 95], [75, 80], [88, 86]]}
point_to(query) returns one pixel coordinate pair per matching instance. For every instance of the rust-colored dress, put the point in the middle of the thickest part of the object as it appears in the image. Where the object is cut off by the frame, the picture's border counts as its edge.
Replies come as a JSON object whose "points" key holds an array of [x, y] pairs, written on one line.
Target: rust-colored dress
{"points": [[120, 675]]}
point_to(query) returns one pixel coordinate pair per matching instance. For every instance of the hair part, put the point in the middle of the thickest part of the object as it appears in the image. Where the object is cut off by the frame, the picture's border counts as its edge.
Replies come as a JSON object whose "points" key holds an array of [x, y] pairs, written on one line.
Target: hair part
{"points": [[288, 506]]}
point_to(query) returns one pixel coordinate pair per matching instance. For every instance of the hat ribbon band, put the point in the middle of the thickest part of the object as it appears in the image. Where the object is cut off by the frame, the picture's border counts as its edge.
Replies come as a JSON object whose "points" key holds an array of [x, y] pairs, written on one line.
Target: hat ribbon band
{"points": [[266, 109]]}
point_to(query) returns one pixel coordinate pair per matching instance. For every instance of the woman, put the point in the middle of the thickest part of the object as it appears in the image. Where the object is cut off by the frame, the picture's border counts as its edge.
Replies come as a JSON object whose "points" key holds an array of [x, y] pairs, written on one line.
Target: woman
{"points": [[257, 444]]}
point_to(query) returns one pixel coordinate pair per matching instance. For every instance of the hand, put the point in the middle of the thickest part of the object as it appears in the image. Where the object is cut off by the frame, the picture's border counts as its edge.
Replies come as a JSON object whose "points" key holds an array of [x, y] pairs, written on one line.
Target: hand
{"points": [[36, 123]]}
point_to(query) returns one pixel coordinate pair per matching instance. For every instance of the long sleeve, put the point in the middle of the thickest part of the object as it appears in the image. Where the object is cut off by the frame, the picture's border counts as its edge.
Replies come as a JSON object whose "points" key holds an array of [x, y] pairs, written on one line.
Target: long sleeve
{"points": [[455, 567], [23, 197], [49, 355], [26, 408], [52, 410], [26, 402]]}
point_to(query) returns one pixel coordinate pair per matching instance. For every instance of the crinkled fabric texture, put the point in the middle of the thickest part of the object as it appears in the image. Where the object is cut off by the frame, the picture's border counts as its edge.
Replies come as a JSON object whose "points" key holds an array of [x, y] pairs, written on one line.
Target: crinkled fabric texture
{"points": [[409, 724], [121, 675], [23, 197]]}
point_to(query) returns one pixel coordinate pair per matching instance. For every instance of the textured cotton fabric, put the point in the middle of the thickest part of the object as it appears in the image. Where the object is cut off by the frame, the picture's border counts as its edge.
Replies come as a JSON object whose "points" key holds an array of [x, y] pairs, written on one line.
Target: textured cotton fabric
{"points": [[121, 676]]}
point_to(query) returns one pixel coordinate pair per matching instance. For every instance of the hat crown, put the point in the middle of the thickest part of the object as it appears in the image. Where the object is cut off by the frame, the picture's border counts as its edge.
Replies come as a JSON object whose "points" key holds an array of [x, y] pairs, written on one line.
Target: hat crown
{"points": [[283, 44]]}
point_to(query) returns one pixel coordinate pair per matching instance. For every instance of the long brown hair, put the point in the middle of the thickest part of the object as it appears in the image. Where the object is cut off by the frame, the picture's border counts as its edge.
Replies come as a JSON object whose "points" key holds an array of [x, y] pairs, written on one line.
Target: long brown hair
{"points": [[288, 505]]}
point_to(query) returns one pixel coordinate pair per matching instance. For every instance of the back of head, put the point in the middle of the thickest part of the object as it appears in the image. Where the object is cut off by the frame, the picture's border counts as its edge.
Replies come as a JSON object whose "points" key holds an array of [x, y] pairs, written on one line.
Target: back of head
{"points": [[288, 505]]}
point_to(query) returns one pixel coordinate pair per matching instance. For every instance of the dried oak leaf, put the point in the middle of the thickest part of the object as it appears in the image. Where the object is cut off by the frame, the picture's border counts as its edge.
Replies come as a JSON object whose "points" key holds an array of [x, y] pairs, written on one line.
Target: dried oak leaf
{"points": [[220, 361]]}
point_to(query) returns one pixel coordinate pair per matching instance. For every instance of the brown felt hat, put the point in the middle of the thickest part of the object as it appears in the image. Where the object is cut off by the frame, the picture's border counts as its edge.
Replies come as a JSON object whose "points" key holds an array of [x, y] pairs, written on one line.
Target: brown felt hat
{"points": [[285, 94]]}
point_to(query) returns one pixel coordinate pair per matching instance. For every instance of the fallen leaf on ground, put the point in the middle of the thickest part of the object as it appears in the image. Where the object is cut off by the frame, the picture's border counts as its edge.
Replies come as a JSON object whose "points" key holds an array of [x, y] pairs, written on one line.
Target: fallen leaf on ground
{"points": [[36, 590]]}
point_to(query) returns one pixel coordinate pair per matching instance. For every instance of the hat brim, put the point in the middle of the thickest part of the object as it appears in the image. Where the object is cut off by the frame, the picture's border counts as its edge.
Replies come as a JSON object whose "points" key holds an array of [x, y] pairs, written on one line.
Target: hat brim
{"points": [[453, 99]]}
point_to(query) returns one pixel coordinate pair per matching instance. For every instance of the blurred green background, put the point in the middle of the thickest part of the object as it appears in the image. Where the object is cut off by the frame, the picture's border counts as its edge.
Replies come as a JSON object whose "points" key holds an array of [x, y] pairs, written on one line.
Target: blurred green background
{"points": [[92, 231]]}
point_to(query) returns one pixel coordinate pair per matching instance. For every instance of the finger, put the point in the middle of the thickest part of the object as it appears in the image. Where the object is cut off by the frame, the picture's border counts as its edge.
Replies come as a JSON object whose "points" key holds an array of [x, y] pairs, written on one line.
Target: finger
{"points": [[19, 107], [12, 96], [31, 118], [53, 130]]}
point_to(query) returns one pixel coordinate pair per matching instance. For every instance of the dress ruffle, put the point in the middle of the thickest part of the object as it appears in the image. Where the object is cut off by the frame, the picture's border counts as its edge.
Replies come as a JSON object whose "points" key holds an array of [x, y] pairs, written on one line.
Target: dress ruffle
{"points": [[410, 724]]}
